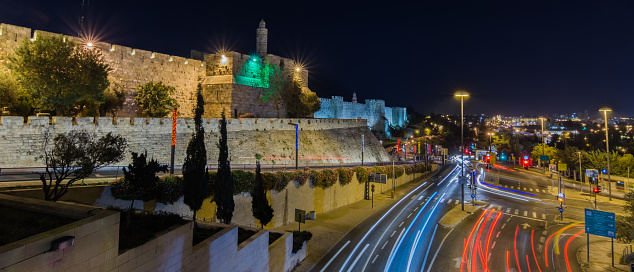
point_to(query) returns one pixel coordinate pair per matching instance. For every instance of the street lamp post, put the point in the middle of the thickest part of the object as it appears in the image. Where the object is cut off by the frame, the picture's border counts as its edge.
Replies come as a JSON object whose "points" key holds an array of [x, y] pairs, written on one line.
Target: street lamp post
{"points": [[462, 95], [580, 175], [607, 148], [362, 147], [543, 145]]}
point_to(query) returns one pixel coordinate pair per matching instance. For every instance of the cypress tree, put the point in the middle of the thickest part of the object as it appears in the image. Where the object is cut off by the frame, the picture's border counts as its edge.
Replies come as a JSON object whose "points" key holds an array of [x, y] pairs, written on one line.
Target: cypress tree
{"points": [[223, 191], [260, 206], [195, 177]]}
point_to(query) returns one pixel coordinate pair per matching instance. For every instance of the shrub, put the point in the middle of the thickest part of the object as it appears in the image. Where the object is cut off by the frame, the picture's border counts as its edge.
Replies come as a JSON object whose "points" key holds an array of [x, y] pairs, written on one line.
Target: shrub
{"points": [[299, 238], [269, 180], [345, 175], [409, 169], [247, 115], [281, 179], [327, 178], [242, 181], [313, 175], [362, 173], [398, 171], [300, 176], [169, 189]]}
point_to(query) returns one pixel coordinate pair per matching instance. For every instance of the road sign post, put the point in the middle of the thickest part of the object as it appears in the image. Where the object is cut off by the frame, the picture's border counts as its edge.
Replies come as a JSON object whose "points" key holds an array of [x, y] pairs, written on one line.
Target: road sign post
{"points": [[602, 224], [300, 217]]}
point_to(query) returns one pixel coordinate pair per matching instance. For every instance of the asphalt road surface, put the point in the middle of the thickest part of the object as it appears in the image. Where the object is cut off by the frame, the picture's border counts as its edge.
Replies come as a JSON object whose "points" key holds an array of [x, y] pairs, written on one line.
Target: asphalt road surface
{"points": [[520, 229]]}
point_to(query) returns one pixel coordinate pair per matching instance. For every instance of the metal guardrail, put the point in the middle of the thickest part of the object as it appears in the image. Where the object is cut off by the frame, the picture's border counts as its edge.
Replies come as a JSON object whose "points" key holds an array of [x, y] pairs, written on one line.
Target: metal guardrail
{"points": [[32, 173]]}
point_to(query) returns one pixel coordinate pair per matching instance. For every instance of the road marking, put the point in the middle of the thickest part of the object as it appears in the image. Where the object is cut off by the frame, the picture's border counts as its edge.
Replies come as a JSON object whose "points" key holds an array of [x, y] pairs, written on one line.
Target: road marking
{"points": [[429, 248], [531, 189], [497, 235], [506, 186], [545, 232], [542, 239], [512, 187], [384, 244], [377, 255], [508, 210], [499, 208], [392, 234], [333, 257], [493, 245], [358, 256], [457, 201], [415, 208], [431, 263], [543, 191], [449, 201], [401, 224], [410, 214], [516, 211], [543, 216], [420, 198], [504, 225], [393, 248], [525, 189], [525, 213], [441, 200], [539, 248]]}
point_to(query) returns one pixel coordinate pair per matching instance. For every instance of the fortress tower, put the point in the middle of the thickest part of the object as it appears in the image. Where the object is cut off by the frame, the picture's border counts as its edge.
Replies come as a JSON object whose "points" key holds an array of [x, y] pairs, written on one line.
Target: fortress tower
{"points": [[261, 39]]}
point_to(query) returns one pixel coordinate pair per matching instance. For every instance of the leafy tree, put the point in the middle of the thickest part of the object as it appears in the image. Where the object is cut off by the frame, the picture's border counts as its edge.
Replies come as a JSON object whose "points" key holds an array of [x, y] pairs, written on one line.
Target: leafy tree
{"points": [[260, 206], [625, 223], [114, 98], [76, 155], [542, 149], [154, 99], [298, 103], [311, 103], [223, 191], [9, 89], [195, 176], [60, 75], [141, 177], [277, 79]]}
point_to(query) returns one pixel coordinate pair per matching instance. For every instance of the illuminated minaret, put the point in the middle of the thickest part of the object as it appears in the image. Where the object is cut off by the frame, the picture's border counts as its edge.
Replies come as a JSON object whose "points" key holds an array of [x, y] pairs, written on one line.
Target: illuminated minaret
{"points": [[261, 38]]}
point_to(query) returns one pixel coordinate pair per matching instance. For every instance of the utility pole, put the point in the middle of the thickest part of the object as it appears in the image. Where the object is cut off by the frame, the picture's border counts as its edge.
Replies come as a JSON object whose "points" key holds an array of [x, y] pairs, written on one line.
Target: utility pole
{"points": [[607, 149], [462, 95]]}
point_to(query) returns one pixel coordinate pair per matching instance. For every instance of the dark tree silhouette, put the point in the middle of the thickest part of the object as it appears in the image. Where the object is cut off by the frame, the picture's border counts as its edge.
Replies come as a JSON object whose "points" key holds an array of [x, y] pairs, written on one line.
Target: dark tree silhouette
{"points": [[195, 176], [141, 177], [260, 206], [223, 191]]}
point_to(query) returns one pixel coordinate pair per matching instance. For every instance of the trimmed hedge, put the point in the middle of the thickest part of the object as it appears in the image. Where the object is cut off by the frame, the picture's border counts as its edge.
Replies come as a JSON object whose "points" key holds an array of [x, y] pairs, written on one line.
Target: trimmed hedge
{"points": [[169, 188]]}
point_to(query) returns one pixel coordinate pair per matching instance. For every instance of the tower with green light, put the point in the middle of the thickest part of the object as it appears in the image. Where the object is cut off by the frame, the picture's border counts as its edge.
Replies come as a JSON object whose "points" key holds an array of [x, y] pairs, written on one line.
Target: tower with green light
{"points": [[234, 82]]}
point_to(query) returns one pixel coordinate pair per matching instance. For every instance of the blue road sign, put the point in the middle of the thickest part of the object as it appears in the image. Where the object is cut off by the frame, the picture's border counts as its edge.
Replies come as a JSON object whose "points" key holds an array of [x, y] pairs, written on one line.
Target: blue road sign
{"points": [[544, 158], [600, 223], [472, 196], [561, 209]]}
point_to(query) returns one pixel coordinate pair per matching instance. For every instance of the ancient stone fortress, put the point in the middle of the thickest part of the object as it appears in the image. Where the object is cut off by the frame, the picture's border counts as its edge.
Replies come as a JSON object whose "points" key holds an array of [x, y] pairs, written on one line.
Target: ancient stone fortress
{"points": [[231, 81], [378, 115]]}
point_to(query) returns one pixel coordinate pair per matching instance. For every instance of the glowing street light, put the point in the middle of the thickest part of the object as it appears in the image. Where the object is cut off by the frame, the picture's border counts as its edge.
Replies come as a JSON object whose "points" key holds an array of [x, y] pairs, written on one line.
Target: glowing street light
{"points": [[607, 148], [462, 95]]}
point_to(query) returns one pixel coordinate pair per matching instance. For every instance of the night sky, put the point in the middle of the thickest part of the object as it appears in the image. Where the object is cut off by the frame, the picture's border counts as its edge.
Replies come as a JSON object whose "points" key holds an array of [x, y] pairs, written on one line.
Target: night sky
{"points": [[514, 57]]}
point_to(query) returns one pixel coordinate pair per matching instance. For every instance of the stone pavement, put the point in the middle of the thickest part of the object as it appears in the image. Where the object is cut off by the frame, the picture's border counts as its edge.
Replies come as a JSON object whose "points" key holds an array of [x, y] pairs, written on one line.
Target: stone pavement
{"points": [[330, 227], [601, 255]]}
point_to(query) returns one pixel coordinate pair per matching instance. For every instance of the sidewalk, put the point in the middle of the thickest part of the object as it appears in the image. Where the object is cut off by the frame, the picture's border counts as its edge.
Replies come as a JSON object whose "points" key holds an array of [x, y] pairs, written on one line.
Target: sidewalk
{"points": [[601, 256], [332, 226]]}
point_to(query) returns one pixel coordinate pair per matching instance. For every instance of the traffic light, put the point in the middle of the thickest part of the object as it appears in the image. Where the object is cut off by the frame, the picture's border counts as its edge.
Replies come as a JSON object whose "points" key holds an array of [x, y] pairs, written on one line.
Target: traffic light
{"points": [[597, 190], [488, 158], [560, 197]]}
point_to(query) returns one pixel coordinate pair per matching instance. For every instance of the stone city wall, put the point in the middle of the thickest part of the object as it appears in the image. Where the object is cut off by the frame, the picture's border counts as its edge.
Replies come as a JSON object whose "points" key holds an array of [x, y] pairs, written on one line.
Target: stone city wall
{"points": [[130, 67], [320, 140]]}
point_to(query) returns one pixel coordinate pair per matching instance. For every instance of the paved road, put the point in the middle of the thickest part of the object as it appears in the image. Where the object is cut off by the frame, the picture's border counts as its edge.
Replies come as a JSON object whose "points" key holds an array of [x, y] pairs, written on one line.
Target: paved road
{"points": [[519, 230]]}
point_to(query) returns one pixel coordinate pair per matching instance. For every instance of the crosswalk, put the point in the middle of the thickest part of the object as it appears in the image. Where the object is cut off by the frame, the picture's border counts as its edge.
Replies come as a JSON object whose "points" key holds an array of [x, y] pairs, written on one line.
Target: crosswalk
{"points": [[526, 189], [529, 214]]}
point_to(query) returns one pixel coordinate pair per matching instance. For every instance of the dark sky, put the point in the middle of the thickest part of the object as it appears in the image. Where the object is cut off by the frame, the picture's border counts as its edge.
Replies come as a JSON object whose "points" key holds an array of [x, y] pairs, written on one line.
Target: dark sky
{"points": [[514, 57]]}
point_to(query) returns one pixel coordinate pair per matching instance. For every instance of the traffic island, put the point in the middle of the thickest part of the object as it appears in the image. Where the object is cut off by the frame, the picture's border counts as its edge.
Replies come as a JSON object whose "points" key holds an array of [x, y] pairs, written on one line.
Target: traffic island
{"points": [[456, 215]]}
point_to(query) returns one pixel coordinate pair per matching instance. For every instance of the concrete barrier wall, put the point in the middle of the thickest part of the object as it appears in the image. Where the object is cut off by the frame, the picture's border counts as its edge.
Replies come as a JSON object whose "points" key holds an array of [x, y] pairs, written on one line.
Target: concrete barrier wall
{"points": [[96, 244]]}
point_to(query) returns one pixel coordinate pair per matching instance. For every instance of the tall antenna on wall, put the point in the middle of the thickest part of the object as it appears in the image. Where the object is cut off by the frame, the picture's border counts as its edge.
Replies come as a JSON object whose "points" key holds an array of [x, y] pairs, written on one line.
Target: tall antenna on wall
{"points": [[84, 5]]}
